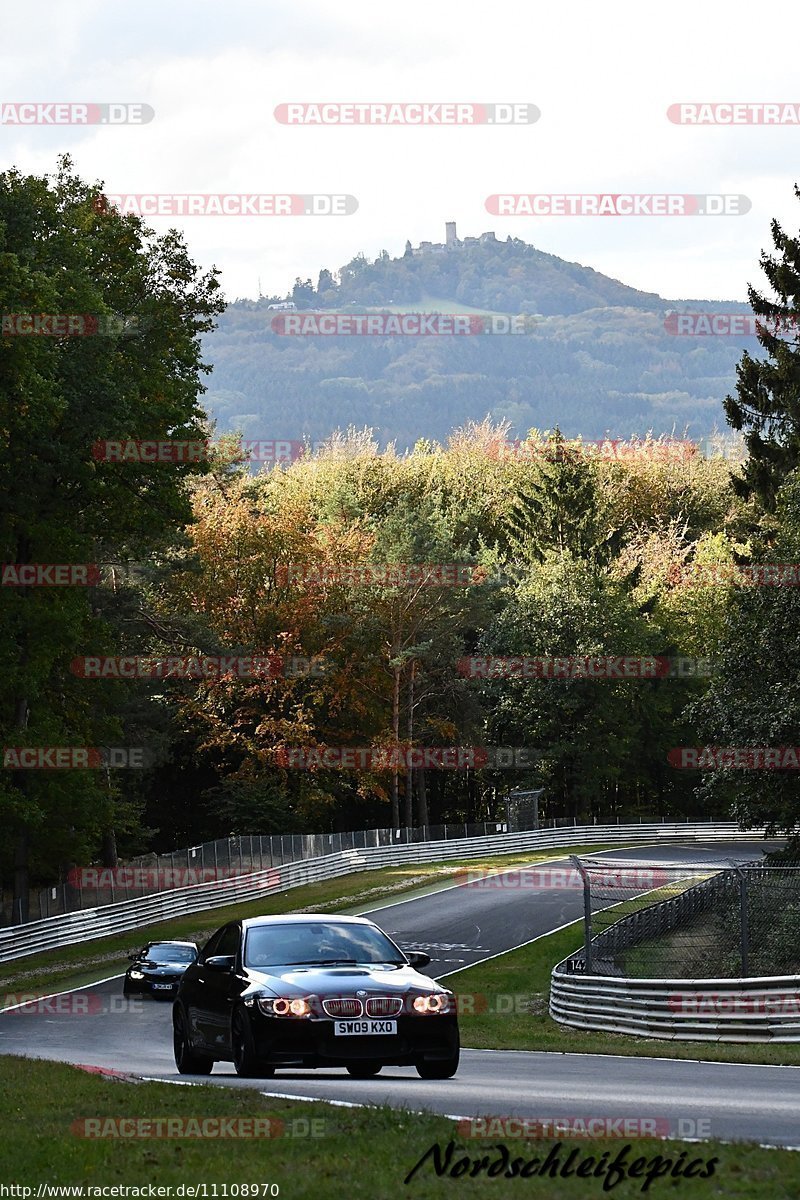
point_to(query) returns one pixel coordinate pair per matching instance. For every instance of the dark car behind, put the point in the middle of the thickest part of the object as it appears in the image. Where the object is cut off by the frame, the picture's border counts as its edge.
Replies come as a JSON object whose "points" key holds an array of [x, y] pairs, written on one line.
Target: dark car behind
{"points": [[157, 969]]}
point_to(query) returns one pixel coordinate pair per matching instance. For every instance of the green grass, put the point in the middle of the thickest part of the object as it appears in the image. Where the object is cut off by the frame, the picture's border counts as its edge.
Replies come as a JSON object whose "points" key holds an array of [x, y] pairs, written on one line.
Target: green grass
{"points": [[510, 1012], [359, 1154], [86, 962]]}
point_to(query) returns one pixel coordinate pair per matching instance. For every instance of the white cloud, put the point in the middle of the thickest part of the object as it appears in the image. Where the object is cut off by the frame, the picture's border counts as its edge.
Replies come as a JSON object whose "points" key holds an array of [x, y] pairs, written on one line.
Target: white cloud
{"points": [[603, 77]]}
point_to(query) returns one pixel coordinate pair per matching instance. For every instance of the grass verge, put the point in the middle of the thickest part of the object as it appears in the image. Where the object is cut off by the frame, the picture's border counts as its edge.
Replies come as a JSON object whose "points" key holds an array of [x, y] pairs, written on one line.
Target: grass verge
{"points": [[357, 1154]]}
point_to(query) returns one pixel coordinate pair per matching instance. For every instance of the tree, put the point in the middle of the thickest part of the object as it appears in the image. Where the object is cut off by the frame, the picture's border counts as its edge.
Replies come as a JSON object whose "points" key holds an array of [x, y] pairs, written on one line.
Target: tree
{"points": [[600, 745], [557, 508], [767, 404], [754, 700], [63, 251], [303, 293]]}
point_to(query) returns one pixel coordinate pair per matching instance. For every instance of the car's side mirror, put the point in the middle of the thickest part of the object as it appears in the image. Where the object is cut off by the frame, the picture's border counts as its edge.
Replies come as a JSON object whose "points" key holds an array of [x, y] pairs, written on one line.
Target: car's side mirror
{"points": [[221, 962], [418, 958], [134, 954]]}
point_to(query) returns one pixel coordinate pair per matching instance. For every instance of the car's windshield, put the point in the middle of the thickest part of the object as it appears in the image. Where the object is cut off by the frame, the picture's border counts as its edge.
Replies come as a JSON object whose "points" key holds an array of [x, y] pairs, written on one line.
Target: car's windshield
{"points": [[167, 952], [316, 943]]}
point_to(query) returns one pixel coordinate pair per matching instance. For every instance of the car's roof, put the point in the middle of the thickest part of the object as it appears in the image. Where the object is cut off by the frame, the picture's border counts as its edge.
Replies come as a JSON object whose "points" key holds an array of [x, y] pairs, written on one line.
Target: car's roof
{"points": [[300, 918]]}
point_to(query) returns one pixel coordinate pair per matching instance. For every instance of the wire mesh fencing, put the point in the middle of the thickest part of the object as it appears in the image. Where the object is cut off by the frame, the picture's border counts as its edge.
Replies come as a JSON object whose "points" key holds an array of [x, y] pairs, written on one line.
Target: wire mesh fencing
{"points": [[226, 858], [688, 920]]}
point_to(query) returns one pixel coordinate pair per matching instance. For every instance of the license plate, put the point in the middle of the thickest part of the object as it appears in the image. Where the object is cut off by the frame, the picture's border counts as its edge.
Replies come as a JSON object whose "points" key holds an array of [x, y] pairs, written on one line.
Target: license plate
{"points": [[363, 1028], [164, 987]]}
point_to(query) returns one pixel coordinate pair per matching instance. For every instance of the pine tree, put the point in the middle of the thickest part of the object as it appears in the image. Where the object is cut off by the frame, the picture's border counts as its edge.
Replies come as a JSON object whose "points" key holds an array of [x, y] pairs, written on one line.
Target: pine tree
{"points": [[767, 407]]}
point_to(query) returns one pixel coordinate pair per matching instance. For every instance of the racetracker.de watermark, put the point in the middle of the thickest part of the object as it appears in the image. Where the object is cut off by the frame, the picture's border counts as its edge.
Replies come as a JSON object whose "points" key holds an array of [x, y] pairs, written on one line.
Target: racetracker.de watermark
{"points": [[635, 879], [417, 113], [734, 112], [59, 325], [662, 449], [711, 324], [583, 667], [712, 1004], [544, 1128], [67, 1004], [73, 758], [417, 324], [616, 204], [403, 758], [49, 574], [161, 878], [743, 758], [755, 575], [203, 1128], [70, 112], [132, 450], [233, 204], [265, 666]]}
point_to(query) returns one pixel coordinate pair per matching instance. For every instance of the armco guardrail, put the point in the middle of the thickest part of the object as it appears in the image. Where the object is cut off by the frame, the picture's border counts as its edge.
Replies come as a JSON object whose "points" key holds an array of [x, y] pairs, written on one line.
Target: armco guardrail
{"points": [[89, 924], [702, 1010]]}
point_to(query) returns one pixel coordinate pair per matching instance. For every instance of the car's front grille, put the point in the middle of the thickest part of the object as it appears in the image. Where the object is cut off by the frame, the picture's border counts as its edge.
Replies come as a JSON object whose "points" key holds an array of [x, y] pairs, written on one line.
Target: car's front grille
{"points": [[384, 1006], [343, 1007]]}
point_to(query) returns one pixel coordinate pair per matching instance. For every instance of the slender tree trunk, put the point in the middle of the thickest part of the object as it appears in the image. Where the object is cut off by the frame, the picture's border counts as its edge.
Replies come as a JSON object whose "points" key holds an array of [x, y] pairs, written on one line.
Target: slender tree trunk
{"points": [[470, 814], [396, 732], [21, 900], [422, 798], [409, 804]]}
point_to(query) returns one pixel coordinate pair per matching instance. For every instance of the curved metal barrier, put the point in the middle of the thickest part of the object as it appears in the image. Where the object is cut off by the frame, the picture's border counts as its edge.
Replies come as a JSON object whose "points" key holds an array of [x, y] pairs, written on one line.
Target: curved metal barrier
{"points": [[127, 915], [704, 1010]]}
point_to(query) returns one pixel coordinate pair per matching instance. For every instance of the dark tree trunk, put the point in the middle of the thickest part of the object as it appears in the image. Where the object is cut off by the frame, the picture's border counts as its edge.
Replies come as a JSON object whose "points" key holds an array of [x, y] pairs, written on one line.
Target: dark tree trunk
{"points": [[422, 798], [21, 911], [109, 849]]}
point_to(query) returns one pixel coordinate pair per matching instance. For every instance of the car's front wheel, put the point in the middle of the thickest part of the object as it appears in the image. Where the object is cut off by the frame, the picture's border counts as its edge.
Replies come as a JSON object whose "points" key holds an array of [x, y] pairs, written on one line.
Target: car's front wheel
{"points": [[187, 1060], [247, 1063], [364, 1070], [444, 1068]]}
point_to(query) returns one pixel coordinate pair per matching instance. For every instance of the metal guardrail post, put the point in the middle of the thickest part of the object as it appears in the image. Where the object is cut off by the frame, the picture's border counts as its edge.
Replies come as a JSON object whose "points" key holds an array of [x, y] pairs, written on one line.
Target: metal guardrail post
{"points": [[587, 913]]}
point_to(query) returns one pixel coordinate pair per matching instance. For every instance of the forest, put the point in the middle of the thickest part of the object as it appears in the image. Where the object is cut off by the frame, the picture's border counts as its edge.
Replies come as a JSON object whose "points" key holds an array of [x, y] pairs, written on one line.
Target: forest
{"points": [[366, 636]]}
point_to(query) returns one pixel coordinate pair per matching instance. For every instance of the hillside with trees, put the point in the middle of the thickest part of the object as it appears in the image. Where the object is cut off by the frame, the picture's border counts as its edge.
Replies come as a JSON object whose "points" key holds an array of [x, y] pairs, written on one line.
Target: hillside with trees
{"points": [[597, 357]]}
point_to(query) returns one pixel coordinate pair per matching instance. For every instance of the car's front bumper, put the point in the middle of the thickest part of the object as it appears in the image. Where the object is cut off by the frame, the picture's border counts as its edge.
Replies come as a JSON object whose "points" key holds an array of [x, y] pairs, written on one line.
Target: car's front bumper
{"points": [[159, 989], [312, 1042]]}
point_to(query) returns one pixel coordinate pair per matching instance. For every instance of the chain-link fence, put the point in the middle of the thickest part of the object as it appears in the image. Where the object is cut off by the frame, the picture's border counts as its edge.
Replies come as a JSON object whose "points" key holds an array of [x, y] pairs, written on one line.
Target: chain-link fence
{"points": [[688, 920], [225, 858]]}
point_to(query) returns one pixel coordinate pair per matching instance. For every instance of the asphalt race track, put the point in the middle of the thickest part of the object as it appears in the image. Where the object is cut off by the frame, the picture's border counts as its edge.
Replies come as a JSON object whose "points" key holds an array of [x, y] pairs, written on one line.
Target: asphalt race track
{"points": [[458, 926]]}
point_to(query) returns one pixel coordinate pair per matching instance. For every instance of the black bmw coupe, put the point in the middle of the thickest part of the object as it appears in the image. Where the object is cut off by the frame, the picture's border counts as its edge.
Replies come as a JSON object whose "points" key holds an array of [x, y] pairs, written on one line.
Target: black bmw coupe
{"points": [[157, 969], [312, 991]]}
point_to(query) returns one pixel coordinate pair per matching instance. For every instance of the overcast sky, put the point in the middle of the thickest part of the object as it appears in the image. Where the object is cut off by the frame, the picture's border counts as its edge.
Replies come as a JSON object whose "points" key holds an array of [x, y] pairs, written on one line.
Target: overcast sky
{"points": [[603, 76]]}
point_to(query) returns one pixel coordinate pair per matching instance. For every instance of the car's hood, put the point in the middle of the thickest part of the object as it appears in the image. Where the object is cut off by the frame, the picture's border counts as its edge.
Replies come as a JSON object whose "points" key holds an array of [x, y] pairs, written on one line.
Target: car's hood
{"points": [[155, 968], [340, 981]]}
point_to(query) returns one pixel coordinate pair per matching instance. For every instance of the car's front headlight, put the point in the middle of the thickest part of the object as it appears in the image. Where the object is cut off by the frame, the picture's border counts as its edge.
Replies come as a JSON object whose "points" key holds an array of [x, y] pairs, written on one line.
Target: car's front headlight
{"points": [[136, 974], [283, 1006], [437, 1002]]}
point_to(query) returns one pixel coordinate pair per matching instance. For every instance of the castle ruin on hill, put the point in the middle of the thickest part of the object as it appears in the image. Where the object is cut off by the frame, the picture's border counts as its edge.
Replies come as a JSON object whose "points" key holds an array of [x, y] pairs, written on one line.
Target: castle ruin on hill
{"points": [[451, 242]]}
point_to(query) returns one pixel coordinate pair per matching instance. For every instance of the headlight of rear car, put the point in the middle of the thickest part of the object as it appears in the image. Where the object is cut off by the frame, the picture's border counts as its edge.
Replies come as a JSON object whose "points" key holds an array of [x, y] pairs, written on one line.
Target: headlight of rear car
{"points": [[437, 1002], [136, 974], [283, 1006]]}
